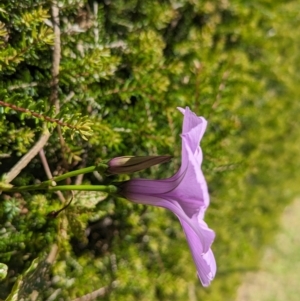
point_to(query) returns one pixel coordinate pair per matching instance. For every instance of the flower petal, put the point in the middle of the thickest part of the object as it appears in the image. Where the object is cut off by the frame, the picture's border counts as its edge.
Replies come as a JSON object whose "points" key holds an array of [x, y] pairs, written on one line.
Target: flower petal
{"points": [[205, 262], [192, 133], [194, 225], [192, 191], [191, 120]]}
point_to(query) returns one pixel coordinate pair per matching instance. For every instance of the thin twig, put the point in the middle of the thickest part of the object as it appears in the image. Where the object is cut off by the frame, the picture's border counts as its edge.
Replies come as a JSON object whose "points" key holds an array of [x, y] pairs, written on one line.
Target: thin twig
{"points": [[45, 164], [52, 254], [95, 294], [55, 56], [54, 295], [50, 260], [198, 67], [69, 97], [79, 179], [92, 296], [96, 24], [37, 115], [28, 157], [49, 174], [23, 86], [64, 148]]}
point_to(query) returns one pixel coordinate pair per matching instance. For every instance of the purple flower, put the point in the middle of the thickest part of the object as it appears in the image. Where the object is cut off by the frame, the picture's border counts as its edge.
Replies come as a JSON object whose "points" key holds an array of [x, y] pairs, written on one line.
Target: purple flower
{"points": [[185, 194]]}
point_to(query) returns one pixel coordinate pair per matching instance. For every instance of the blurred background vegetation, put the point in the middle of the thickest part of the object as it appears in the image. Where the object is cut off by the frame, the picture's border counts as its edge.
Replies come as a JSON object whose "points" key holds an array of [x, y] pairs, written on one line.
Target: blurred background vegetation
{"points": [[127, 65]]}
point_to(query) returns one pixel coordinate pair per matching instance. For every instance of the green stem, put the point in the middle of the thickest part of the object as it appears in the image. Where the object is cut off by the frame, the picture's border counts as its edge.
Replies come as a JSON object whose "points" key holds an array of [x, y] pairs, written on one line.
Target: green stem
{"points": [[100, 167], [73, 173], [104, 188], [51, 184], [41, 186]]}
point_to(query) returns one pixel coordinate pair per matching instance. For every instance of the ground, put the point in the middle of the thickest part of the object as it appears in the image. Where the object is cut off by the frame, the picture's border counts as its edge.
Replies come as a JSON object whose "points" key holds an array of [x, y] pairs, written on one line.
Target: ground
{"points": [[279, 276]]}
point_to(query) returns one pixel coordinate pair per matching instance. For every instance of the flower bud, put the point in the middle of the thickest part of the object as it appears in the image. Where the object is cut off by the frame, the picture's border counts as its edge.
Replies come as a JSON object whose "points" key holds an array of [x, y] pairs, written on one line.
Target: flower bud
{"points": [[129, 164]]}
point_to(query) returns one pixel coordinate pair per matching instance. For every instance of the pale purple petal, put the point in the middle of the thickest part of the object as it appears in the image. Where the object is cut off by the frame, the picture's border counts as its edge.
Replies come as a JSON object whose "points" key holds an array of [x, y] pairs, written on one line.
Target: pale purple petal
{"points": [[193, 129], [192, 192], [205, 262], [191, 225], [191, 121]]}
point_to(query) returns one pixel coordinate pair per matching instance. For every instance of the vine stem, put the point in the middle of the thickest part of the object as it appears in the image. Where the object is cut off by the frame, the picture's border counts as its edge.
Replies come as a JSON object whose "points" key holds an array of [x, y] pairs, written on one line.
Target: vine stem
{"points": [[103, 188], [73, 173], [51, 183], [100, 167], [42, 186]]}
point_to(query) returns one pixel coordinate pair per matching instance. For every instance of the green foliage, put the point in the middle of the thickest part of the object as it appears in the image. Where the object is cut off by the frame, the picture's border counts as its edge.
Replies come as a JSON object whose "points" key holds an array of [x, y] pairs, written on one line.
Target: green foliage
{"points": [[3, 270], [32, 35], [125, 66]]}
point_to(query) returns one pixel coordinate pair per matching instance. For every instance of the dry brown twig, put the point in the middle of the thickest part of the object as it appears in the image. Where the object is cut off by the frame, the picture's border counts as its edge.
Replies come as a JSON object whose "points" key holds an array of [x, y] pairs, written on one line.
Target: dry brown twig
{"points": [[56, 55], [97, 293], [28, 157], [49, 174]]}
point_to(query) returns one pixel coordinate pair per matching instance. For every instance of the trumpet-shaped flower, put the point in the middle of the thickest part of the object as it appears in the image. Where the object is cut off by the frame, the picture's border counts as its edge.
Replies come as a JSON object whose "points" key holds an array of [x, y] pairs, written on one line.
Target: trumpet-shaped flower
{"points": [[185, 194]]}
